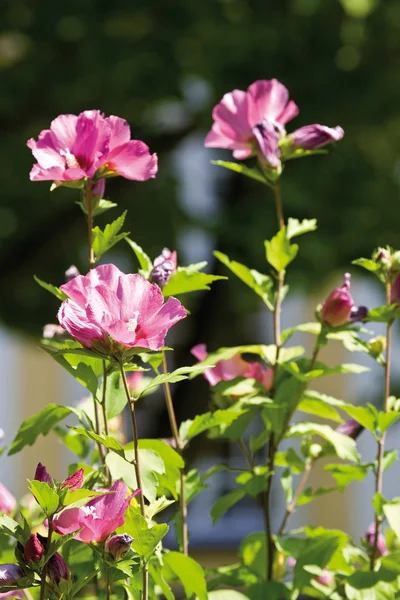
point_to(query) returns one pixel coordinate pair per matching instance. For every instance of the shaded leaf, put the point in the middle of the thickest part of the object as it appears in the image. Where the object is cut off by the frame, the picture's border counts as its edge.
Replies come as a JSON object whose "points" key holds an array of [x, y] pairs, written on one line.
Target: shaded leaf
{"points": [[40, 424], [104, 240], [189, 572], [225, 503], [279, 251]]}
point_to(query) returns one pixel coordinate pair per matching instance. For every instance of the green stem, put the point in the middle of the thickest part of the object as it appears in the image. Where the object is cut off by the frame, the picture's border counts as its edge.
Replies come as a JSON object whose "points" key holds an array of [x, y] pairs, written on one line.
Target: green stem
{"points": [[104, 410], [179, 447], [382, 437], [88, 203], [44, 570], [108, 583], [131, 406], [300, 488], [278, 204]]}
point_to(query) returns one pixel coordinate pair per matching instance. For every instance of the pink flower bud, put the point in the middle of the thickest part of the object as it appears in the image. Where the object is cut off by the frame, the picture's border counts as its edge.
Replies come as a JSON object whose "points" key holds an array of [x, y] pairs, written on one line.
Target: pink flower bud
{"points": [[381, 548], [351, 428], [74, 481], [42, 475], [98, 189], [396, 290], [7, 501], [325, 578], [57, 568], [164, 266], [315, 136], [337, 307], [118, 545], [34, 549], [10, 575]]}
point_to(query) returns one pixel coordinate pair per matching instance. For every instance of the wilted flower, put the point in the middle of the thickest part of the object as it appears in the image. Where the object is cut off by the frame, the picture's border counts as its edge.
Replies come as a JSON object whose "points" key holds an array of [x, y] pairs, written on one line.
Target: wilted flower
{"points": [[339, 307], [89, 145], [381, 548], [315, 136], [34, 549], [57, 568], [351, 428], [226, 370], [109, 310], [98, 518], [7, 501], [10, 575], [41, 474], [118, 545], [74, 481], [164, 266]]}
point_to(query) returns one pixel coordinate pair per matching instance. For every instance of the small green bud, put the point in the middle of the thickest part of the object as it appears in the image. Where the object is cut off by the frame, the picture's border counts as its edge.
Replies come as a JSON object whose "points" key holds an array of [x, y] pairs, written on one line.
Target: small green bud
{"points": [[377, 345]]}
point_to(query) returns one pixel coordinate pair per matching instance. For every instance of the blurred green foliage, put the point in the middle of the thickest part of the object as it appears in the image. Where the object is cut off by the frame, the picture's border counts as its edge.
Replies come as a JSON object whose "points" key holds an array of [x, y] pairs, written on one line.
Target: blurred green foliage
{"points": [[163, 65]]}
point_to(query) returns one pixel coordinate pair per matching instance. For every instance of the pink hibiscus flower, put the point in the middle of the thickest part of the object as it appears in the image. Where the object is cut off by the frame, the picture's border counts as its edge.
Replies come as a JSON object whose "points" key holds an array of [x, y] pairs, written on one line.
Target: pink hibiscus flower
{"points": [[226, 370], [253, 121], [98, 518], [90, 144], [7, 501], [107, 307]]}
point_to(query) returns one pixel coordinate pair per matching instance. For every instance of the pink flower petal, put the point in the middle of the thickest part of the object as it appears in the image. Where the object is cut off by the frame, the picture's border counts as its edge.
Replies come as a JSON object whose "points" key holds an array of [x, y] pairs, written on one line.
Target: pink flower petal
{"points": [[133, 161], [267, 100], [120, 132]]}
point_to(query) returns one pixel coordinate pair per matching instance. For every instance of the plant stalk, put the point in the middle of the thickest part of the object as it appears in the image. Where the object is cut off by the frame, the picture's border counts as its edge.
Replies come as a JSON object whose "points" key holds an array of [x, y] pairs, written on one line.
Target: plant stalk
{"points": [[131, 405], [382, 437], [179, 447], [300, 488], [108, 584], [44, 571]]}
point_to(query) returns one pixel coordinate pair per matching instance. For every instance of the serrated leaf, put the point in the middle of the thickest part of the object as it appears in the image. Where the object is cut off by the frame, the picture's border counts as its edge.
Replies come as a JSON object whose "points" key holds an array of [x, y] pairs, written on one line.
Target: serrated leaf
{"points": [[309, 495], [253, 552], [295, 227], [105, 440], [226, 502], [104, 240], [146, 264], [151, 466], [146, 539], [317, 406], [242, 169], [173, 377], [279, 251], [185, 280], [103, 206], [389, 458], [366, 263], [386, 420], [254, 482], [173, 462], [258, 282], [11, 528], [40, 424], [189, 572], [346, 474], [47, 497], [51, 288], [157, 506], [383, 314], [74, 442], [344, 446], [191, 428]]}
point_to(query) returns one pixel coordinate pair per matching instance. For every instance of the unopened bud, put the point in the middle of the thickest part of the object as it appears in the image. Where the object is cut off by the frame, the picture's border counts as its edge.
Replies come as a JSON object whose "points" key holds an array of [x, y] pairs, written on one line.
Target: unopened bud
{"points": [[52, 331], [358, 313], [118, 545], [377, 345], [71, 273], [33, 549], [42, 475], [57, 568], [382, 256], [74, 481], [395, 297], [10, 575], [337, 307], [315, 450], [381, 548], [325, 578], [396, 262], [315, 136], [351, 428], [164, 266]]}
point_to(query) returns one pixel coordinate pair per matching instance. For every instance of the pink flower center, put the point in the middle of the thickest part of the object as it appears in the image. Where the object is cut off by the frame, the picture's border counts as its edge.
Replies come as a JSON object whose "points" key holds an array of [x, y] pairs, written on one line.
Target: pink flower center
{"points": [[71, 161], [133, 322]]}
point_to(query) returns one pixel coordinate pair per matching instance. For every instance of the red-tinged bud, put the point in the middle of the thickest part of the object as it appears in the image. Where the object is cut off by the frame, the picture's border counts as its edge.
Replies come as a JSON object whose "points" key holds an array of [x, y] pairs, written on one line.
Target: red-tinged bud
{"points": [[395, 297], [336, 309], [315, 136], [42, 475], [325, 578], [57, 568], [34, 549], [74, 481], [164, 266], [10, 575], [98, 190], [118, 545], [351, 428], [381, 548]]}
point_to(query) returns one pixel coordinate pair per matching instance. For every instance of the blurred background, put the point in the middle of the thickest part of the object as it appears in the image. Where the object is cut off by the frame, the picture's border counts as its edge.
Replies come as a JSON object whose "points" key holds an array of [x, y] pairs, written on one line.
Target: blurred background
{"points": [[163, 66]]}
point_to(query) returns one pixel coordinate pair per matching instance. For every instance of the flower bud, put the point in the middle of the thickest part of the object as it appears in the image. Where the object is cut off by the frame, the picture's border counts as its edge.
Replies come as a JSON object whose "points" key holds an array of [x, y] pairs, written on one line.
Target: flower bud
{"points": [[351, 428], [7, 501], [42, 475], [74, 481], [325, 578], [395, 297], [315, 136], [10, 575], [34, 549], [118, 545], [71, 273], [381, 255], [57, 568], [52, 331], [164, 266], [381, 548], [98, 190], [337, 307], [358, 313], [377, 345]]}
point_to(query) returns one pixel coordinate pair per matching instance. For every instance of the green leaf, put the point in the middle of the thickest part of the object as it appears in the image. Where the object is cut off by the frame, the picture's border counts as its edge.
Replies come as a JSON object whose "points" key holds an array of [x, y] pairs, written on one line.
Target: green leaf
{"points": [[344, 446], [11, 528], [389, 458], [51, 288], [258, 441], [104, 240], [279, 251], [146, 539], [226, 595], [47, 497], [225, 503], [105, 440], [173, 377], [365, 415], [116, 399], [81, 363], [145, 262], [392, 513], [254, 553], [189, 572], [309, 495], [191, 428], [296, 227], [287, 480], [386, 419], [186, 280], [158, 506], [346, 474], [40, 424], [370, 585], [317, 406], [73, 441], [261, 284], [173, 463], [271, 590], [254, 483], [151, 466], [367, 263], [242, 169], [383, 314], [103, 206]]}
